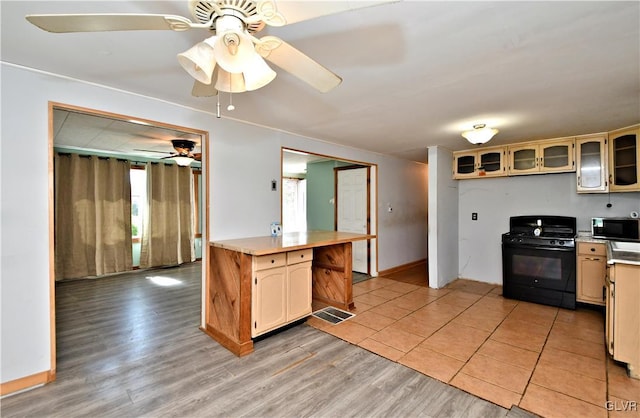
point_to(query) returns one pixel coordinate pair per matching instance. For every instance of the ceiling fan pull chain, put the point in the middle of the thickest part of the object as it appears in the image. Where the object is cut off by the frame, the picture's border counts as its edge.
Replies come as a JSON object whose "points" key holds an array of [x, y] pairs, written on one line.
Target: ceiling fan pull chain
{"points": [[231, 106], [218, 106]]}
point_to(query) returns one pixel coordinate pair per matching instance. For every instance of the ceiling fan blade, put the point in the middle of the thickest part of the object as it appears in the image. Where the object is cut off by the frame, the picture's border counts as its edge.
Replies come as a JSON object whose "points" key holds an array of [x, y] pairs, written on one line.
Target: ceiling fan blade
{"points": [[109, 22], [150, 150], [295, 62], [268, 13], [297, 11], [204, 90]]}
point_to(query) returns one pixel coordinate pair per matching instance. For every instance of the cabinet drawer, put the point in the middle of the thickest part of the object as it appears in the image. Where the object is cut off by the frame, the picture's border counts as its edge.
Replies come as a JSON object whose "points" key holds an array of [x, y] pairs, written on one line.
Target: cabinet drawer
{"points": [[592, 249], [300, 256], [270, 261]]}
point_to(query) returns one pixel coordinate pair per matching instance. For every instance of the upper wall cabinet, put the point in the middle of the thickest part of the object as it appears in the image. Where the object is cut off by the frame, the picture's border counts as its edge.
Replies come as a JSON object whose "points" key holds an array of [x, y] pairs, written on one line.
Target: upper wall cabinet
{"points": [[624, 159], [591, 164], [485, 162], [552, 156]]}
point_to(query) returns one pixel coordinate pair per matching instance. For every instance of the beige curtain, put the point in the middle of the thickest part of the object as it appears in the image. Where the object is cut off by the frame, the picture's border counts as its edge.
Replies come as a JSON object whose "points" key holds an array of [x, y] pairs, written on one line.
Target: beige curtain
{"points": [[167, 235], [92, 216]]}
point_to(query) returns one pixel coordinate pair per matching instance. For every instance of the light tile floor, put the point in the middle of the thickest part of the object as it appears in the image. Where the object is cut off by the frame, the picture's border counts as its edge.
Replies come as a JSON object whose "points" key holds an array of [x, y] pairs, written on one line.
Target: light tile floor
{"points": [[547, 360]]}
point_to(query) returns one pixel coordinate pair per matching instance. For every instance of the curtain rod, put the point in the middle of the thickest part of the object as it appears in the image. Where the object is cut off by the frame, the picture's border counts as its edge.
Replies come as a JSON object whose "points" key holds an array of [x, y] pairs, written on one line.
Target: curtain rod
{"points": [[132, 162]]}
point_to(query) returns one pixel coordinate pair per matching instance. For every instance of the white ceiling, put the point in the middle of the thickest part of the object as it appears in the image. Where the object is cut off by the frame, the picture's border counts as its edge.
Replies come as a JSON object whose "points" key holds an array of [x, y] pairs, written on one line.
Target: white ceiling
{"points": [[73, 130], [416, 73]]}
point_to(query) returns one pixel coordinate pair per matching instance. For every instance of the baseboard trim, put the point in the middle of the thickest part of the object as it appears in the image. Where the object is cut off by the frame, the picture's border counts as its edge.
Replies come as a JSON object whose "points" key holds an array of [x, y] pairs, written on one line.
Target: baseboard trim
{"points": [[27, 382], [403, 267]]}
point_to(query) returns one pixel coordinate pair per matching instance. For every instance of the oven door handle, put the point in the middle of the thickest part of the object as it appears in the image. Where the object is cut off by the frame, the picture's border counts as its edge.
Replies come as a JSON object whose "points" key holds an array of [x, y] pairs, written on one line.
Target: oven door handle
{"points": [[537, 247]]}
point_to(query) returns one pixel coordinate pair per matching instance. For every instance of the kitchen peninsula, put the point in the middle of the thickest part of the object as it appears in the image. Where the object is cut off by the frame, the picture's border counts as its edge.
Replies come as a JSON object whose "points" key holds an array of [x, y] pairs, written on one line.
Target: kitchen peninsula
{"points": [[256, 285]]}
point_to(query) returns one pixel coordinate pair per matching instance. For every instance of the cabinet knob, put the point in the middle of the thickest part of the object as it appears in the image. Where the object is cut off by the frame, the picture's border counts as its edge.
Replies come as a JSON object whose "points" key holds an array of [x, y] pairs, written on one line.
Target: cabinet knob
{"points": [[593, 250]]}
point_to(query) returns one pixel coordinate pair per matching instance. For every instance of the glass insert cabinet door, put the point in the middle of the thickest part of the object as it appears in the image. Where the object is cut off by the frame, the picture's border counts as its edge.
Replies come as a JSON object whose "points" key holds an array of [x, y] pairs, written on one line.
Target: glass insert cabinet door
{"points": [[523, 159], [491, 161], [624, 159], [591, 167], [466, 164], [555, 156], [488, 162]]}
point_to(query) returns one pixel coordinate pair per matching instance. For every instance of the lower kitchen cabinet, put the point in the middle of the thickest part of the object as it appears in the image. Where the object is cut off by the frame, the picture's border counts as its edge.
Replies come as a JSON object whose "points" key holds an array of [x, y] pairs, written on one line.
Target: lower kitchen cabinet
{"points": [[281, 290], [591, 272], [622, 327]]}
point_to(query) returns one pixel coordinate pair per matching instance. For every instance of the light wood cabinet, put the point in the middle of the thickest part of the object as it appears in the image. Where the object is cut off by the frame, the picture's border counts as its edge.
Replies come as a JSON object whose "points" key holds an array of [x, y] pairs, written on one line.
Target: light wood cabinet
{"points": [[623, 315], [624, 159], [591, 272], [550, 156], [486, 162], [235, 264], [281, 290], [298, 291], [592, 164]]}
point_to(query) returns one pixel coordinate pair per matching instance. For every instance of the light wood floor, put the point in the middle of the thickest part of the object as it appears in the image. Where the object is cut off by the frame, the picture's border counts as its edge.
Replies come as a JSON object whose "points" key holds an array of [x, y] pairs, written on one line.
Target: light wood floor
{"points": [[129, 347]]}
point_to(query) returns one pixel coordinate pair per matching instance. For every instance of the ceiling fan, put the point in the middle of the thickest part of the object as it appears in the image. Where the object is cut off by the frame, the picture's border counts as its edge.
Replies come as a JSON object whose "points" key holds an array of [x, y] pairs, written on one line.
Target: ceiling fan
{"points": [[232, 59], [183, 155]]}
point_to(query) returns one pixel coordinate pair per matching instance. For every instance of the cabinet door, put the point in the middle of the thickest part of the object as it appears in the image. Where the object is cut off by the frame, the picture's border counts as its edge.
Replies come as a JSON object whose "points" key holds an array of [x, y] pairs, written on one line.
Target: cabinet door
{"points": [[610, 309], [626, 316], [298, 291], [591, 165], [523, 159], [591, 279], [464, 164], [624, 155], [491, 162], [557, 156], [269, 300]]}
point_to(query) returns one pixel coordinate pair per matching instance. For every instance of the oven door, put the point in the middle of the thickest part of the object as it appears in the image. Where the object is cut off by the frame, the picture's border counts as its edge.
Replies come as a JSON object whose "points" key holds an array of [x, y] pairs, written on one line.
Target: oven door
{"points": [[539, 274]]}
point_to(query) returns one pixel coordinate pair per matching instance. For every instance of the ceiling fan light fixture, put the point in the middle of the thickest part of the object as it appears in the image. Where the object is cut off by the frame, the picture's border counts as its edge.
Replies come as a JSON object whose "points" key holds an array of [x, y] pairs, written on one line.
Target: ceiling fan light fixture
{"points": [[230, 82], [480, 134], [234, 48], [199, 61], [182, 160], [258, 74]]}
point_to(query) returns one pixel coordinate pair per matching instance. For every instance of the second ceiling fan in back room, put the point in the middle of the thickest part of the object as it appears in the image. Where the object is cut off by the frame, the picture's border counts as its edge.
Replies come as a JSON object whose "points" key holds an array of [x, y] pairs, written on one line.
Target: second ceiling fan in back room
{"points": [[231, 59], [183, 155]]}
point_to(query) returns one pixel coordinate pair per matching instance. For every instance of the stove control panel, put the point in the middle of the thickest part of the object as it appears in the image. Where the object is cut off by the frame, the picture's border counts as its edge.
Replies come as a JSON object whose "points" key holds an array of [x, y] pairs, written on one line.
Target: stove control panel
{"points": [[539, 241]]}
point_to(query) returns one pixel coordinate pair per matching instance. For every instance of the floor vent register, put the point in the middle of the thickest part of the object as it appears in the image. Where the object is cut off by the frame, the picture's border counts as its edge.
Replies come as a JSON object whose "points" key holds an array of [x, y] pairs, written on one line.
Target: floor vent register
{"points": [[333, 315]]}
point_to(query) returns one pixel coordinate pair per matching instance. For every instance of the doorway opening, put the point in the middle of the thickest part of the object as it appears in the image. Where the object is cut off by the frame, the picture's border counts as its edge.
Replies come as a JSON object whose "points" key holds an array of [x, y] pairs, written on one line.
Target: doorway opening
{"points": [[97, 135], [322, 192]]}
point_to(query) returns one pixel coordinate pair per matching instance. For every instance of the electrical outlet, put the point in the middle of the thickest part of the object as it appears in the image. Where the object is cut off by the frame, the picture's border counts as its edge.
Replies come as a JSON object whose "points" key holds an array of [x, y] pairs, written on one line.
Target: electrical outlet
{"points": [[474, 216]]}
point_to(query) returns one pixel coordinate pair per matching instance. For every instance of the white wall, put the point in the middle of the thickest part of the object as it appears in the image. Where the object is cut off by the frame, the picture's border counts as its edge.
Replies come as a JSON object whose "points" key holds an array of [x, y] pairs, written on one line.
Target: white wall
{"points": [[497, 199], [443, 219], [245, 159]]}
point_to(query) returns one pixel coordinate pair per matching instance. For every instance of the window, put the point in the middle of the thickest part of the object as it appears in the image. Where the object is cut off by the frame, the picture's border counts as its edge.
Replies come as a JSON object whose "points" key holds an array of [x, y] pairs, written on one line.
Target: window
{"points": [[138, 200], [197, 203], [294, 204]]}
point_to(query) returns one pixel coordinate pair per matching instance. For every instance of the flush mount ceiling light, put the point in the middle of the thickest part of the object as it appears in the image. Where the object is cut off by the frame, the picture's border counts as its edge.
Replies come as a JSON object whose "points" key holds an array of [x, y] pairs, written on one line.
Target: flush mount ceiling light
{"points": [[480, 134]]}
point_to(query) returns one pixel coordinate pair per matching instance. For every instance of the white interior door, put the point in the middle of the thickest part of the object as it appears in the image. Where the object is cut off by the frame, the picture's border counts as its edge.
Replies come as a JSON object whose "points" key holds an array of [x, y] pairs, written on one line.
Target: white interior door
{"points": [[352, 212]]}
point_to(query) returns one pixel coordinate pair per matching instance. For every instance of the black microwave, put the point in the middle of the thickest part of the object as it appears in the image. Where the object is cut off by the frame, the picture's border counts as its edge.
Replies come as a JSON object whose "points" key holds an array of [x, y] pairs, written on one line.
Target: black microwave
{"points": [[616, 228]]}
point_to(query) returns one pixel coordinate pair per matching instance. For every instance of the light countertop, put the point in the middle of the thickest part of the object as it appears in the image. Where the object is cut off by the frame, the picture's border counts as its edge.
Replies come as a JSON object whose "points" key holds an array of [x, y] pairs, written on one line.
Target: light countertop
{"points": [[589, 238], [622, 257], [290, 241]]}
